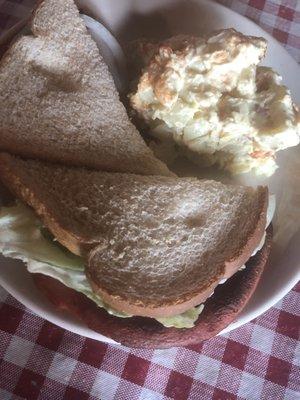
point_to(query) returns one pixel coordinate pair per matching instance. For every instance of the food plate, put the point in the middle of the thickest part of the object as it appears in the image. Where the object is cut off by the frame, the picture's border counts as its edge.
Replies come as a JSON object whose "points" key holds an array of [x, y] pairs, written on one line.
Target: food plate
{"points": [[130, 19]]}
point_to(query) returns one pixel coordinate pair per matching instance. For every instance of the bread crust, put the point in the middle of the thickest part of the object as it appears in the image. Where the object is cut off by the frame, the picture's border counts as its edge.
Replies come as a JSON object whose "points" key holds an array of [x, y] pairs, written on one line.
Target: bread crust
{"points": [[220, 310]]}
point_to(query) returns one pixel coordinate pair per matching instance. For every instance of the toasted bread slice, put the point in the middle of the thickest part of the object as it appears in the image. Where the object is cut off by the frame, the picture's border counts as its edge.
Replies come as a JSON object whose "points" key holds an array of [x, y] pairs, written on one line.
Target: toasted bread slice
{"points": [[155, 246], [59, 102]]}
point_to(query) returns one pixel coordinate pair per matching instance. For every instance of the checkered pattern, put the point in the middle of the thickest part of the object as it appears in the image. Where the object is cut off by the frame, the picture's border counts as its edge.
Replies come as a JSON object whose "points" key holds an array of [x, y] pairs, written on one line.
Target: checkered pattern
{"points": [[281, 18], [260, 360]]}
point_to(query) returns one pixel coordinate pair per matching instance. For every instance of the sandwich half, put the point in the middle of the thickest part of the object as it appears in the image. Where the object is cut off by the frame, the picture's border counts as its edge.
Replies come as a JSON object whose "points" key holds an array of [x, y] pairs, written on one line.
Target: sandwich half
{"points": [[147, 252], [59, 101]]}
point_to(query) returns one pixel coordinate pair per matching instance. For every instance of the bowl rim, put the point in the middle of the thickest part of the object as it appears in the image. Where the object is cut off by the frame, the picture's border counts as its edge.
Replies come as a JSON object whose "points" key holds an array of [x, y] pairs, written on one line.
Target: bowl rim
{"points": [[74, 325]]}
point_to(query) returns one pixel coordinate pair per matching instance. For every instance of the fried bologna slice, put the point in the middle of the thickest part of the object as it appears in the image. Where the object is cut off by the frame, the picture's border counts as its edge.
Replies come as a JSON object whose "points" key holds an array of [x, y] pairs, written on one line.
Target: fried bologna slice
{"points": [[59, 102], [155, 246], [220, 310]]}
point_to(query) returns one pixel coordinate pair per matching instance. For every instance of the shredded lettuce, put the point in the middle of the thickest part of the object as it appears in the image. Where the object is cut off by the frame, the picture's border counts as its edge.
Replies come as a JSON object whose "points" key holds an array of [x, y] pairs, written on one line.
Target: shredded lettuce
{"points": [[22, 237]]}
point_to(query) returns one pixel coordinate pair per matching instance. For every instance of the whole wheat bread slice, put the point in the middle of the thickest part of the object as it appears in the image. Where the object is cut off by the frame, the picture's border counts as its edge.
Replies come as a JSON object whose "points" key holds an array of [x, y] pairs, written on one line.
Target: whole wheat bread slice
{"points": [[58, 100], [155, 246]]}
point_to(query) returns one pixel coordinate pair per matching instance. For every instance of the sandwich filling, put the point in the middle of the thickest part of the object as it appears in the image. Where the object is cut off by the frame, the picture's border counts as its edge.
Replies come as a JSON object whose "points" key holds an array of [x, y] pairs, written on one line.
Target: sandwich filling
{"points": [[22, 236]]}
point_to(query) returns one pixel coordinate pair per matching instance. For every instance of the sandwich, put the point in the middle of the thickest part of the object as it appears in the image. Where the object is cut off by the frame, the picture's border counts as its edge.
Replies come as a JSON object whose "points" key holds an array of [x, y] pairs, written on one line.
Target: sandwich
{"points": [[149, 261], [59, 101]]}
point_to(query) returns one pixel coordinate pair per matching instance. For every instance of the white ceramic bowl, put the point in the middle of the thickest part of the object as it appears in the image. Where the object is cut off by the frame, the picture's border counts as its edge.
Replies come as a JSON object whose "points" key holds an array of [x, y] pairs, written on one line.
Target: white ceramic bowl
{"points": [[135, 18]]}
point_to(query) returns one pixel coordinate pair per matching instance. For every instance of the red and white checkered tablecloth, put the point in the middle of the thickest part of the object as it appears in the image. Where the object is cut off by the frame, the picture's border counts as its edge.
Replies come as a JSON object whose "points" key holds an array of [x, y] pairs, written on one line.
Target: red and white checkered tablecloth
{"points": [[259, 361]]}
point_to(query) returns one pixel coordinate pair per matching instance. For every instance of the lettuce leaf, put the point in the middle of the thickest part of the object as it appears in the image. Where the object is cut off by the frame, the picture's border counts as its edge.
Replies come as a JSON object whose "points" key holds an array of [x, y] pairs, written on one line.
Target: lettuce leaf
{"points": [[184, 320], [74, 279], [22, 237]]}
